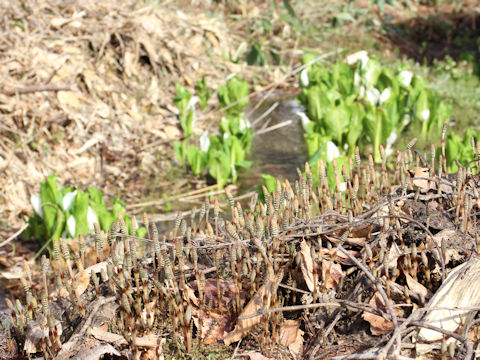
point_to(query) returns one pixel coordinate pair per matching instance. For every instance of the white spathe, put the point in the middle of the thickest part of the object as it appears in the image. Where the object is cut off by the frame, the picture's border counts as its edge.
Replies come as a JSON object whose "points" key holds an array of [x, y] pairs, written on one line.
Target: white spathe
{"points": [[361, 55], [373, 94], [392, 138], [304, 119], [204, 142], [68, 199], [332, 151], [304, 78], [71, 226], [406, 77], [37, 204], [425, 114], [91, 219], [384, 96]]}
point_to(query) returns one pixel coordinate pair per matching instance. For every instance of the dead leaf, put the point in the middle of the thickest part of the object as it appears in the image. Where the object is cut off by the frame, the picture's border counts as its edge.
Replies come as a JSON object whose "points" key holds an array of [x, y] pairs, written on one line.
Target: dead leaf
{"points": [[291, 336], [288, 332], [460, 289], [253, 355], [378, 324], [261, 300], [82, 279], [307, 265], [415, 287], [392, 256], [422, 183], [339, 256], [335, 273]]}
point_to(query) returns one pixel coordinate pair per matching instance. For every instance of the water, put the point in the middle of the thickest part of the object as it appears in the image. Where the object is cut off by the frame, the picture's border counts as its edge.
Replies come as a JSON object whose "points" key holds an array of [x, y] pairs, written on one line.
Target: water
{"points": [[279, 152]]}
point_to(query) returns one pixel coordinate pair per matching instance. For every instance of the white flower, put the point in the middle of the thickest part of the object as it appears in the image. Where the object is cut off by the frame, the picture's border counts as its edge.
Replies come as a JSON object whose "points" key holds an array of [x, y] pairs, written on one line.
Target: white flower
{"points": [[91, 219], [72, 226], [385, 95], [356, 79], [37, 204], [372, 95], [392, 138], [361, 55], [304, 118], [425, 114], [225, 135], [242, 124], [368, 75], [204, 142], [68, 200], [304, 78], [191, 103], [406, 77], [343, 186], [332, 151], [362, 91]]}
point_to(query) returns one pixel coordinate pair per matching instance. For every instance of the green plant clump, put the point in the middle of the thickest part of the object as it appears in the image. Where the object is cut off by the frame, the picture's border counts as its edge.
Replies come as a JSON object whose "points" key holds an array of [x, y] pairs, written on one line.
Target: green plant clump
{"points": [[69, 212], [223, 154], [461, 149], [363, 103]]}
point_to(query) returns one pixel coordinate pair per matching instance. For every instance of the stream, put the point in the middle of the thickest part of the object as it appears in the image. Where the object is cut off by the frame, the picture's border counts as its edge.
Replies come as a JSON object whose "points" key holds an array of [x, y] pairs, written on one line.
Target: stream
{"points": [[278, 152]]}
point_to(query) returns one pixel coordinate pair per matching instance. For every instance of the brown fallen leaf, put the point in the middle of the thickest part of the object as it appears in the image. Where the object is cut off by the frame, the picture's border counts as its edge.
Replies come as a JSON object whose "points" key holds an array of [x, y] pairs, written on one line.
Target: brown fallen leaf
{"points": [[307, 265], [261, 300], [340, 257], [291, 336], [415, 287], [335, 273], [253, 355], [453, 300], [378, 324]]}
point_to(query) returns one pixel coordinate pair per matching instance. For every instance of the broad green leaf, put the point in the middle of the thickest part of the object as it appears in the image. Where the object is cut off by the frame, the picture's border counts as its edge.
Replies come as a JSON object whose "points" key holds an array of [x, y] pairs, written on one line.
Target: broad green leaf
{"points": [[48, 195], [95, 195], [79, 211], [182, 98], [270, 182], [355, 127], [336, 121], [244, 164]]}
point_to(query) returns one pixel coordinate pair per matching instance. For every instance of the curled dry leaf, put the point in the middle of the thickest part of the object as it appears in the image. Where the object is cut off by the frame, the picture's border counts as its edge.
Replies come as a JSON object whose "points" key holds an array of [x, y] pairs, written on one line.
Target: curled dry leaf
{"points": [[415, 287], [213, 324], [307, 264], [459, 290], [253, 355], [291, 336], [335, 273], [261, 300], [339, 256], [378, 324]]}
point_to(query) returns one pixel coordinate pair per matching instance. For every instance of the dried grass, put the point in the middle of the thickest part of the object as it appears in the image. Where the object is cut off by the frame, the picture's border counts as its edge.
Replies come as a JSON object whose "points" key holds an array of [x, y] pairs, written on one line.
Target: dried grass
{"points": [[120, 60]]}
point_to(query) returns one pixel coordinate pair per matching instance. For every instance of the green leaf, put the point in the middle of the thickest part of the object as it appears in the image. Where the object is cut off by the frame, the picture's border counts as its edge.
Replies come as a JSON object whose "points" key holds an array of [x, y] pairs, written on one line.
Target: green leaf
{"points": [[373, 124], [182, 98], [180, 149], [336, 121], [245, 164], [48, 194], [270, 182], [95, 195], [80, 211], [235, 92], [203, 92], [355, 127], [220, 168]]}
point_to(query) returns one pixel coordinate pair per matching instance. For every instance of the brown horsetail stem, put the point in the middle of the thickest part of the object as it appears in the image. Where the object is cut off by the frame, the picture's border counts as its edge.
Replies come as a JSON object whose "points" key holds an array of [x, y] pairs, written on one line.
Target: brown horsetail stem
{"points": [[317, 253]]}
